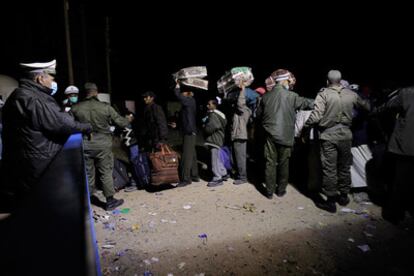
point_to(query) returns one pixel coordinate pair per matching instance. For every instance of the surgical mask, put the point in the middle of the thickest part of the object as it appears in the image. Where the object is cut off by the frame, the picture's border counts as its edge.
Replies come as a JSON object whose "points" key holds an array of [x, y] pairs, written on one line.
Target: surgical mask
{"points": [[54, 88], [286, 86], [73, 99]]}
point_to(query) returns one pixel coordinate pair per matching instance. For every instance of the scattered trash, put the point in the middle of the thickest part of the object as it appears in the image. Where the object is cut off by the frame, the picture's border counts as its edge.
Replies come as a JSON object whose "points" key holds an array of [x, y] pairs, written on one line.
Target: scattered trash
{"points": [[116, 212], [351, 240], [285, 261], [229, 248], [152, 214], [181, 265], [110, 242], [362, 212], [187, 207], [147, 273], [347, 210], [235, 207], [300, 208], [151, 224], [170, 274], [364, 247], [173, 221], [369, 235], [109, 226], [158, 193], [201, 274], [147, 262], [366, 216], [121, 253], [155, 260], [249, 207], [322, 224], [164, 220], [135, 227], [371, 226], [107, 246], [366, 203], [125, 211], [203, 237], [100, 217]]}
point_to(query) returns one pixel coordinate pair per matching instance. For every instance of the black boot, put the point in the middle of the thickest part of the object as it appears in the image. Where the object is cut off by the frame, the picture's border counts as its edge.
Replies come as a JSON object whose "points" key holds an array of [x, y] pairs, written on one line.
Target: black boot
{"points": [[112, 203], [328, 205], [343, 199]]}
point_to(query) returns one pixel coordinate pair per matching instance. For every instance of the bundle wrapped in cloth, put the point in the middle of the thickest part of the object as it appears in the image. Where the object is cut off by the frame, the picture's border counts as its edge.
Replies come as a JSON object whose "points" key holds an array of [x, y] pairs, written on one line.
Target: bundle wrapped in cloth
{"points": [[193, 77], [235, 78]]}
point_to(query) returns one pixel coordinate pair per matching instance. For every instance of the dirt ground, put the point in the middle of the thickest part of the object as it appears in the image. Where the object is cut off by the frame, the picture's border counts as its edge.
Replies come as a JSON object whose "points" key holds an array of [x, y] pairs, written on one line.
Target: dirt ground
{"points": [[234, 230]]}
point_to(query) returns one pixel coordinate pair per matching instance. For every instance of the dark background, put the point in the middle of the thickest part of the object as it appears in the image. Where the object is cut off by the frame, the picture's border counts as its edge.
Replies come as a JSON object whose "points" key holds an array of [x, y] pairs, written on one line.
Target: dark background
{"points": [[371, 45]]}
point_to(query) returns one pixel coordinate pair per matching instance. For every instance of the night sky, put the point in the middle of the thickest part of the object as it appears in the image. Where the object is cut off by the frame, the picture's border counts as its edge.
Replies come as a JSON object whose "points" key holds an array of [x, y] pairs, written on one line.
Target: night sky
{"points": [[370, 46]]}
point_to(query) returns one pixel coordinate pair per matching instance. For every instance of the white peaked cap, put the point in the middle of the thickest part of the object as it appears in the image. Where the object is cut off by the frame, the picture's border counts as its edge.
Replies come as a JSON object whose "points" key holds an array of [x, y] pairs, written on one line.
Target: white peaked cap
{"points": [[47, 67]]}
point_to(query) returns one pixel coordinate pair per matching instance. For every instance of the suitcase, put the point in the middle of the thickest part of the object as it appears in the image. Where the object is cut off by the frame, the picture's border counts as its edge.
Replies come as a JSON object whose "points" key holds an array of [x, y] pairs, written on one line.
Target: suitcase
{"points": [[193, 77], [120, 175], [141, 167], [234, 78], [191, 72]]}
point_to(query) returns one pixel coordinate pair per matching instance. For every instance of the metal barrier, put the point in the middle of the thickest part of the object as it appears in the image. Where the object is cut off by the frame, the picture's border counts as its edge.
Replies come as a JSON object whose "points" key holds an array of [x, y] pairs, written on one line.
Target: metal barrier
{"points": [[52, 231]]}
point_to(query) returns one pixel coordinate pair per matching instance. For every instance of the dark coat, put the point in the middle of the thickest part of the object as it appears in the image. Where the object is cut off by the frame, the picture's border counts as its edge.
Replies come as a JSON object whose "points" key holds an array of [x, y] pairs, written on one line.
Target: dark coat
{"points": [[35, 130], [188, 113], [277, 111], [214, 129], [155, 124], [402, 138]]}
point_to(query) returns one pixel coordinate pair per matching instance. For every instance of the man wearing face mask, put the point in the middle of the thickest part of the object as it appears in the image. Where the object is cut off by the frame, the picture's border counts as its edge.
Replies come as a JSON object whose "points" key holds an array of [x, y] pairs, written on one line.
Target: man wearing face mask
{"points": [[71, 97], [277, 112], [34, 128]]}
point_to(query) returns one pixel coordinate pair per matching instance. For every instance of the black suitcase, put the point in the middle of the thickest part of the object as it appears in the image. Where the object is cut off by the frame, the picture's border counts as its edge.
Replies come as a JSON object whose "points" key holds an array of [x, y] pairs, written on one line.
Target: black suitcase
{"points": [[120, 175]]}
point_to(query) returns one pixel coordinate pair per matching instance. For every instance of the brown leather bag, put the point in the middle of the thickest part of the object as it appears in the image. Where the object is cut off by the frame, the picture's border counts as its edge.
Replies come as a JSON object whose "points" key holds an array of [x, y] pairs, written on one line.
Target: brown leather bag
{"points": [[164, 166]]}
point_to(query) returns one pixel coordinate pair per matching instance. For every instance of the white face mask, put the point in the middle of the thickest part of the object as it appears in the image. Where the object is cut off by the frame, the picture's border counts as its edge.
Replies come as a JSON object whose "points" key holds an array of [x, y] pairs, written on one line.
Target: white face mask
{"points": [[286, 86], [54, 88]]}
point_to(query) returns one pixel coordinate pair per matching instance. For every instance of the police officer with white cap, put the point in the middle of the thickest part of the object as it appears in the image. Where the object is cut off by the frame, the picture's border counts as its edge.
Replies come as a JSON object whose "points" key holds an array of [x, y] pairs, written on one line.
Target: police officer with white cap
{"points": [[34, 127], [71, 97]]}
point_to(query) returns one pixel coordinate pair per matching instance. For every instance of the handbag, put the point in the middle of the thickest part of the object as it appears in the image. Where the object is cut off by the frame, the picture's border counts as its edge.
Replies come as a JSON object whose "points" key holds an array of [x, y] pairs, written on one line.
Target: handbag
{"points": [[164, 166]]}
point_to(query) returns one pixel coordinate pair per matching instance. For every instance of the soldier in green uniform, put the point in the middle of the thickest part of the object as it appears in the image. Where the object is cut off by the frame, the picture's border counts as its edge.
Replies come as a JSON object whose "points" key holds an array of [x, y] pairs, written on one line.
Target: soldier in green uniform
{"points": [[98, 147], [277, 111]]}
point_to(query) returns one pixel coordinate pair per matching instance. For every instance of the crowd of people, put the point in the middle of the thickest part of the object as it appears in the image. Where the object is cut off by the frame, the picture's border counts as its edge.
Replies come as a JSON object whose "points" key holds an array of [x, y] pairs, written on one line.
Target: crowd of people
{"points": [[35, 127]]}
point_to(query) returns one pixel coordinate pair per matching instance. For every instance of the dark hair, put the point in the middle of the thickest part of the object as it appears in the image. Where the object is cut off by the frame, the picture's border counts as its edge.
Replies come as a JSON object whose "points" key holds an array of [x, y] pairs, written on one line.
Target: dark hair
{"points": [[214, 101], [186, 88]]}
